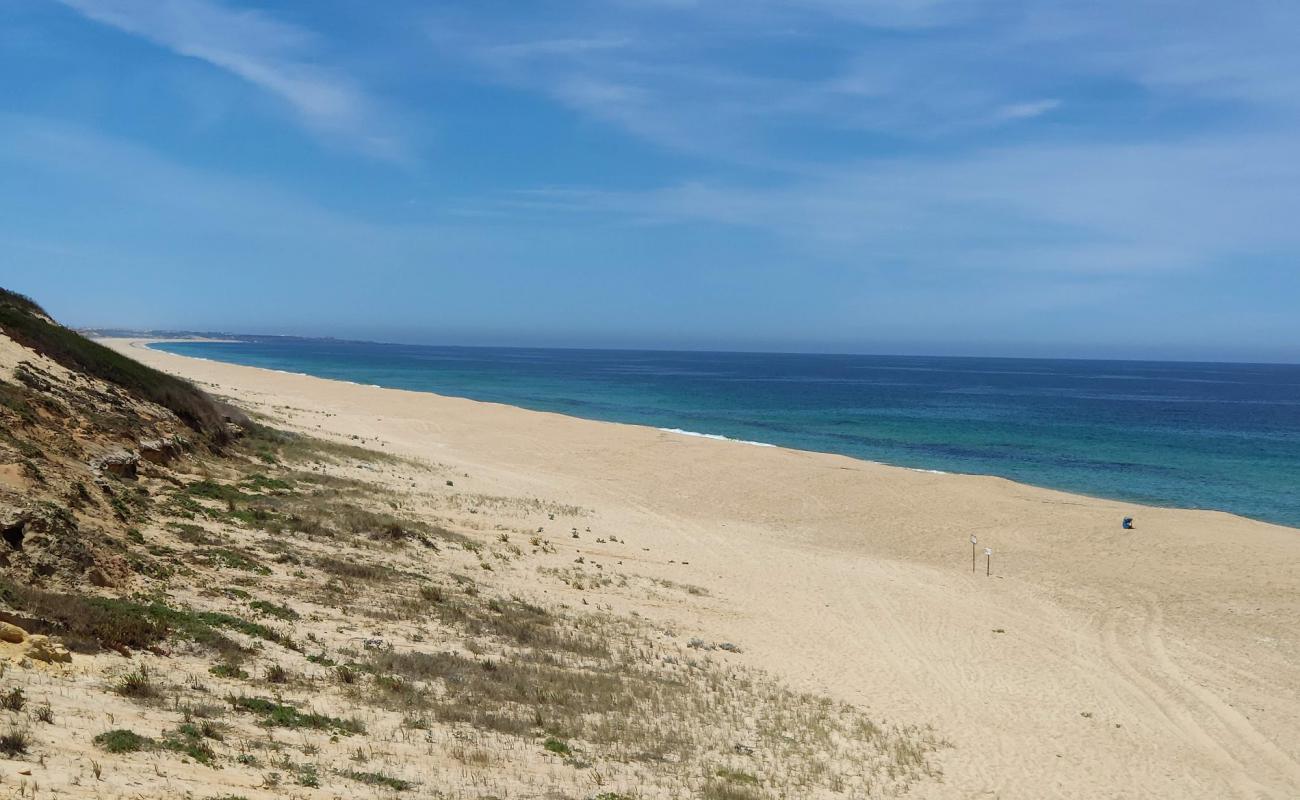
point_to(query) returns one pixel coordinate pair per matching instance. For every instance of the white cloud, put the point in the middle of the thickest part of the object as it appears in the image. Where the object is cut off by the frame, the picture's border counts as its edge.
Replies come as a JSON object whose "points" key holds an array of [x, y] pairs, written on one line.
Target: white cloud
{"points": [[272, 55], [1028, 110], [718, 80], [1046, 210], [730, 81], [1146, 174], [552, 47]]}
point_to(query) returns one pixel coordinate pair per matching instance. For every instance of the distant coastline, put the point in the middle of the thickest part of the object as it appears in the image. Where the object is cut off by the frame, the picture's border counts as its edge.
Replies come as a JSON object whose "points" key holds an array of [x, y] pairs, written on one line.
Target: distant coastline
{"points": [[1158, 433], [166, 335]]}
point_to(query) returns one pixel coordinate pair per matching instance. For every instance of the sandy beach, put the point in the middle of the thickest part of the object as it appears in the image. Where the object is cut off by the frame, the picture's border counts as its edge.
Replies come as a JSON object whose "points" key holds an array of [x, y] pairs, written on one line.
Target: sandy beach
{"points": [[1093, 662]]}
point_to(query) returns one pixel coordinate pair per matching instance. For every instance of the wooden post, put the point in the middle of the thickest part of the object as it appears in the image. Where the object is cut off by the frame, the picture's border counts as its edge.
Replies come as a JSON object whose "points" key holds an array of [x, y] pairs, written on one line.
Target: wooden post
{"points": [[973, 542], [988, 561]]}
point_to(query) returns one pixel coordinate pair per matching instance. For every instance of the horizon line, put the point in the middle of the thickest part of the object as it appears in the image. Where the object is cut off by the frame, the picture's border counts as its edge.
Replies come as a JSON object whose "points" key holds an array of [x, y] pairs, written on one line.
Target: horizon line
{"points": [[189, 335]]}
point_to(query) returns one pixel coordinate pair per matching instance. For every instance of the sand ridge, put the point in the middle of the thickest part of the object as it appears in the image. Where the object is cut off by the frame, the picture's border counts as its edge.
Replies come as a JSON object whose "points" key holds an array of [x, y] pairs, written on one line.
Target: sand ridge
{"points": [[1162, 662]]}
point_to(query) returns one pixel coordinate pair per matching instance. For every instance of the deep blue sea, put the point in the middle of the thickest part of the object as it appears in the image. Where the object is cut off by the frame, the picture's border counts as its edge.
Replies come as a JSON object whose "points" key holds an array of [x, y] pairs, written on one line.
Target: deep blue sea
{"points": [[1220, 436]]}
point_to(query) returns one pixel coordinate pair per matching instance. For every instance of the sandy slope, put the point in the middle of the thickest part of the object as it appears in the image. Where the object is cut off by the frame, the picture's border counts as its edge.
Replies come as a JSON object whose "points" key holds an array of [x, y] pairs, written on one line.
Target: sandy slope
{"points": [[1163, 662]]}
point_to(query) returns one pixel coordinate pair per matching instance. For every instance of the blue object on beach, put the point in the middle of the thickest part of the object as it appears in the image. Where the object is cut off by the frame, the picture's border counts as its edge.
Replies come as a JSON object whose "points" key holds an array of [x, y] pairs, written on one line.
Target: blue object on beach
{"points": [[1128, 523]]}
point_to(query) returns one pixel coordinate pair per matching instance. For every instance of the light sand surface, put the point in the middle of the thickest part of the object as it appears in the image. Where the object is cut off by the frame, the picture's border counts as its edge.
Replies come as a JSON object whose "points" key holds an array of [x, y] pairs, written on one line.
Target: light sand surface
{"points": [[1095, 662]]}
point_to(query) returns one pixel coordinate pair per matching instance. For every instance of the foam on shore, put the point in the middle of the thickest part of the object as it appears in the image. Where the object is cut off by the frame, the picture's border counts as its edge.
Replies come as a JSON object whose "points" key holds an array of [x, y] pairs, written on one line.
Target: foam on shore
{"points": [[715, 436]]}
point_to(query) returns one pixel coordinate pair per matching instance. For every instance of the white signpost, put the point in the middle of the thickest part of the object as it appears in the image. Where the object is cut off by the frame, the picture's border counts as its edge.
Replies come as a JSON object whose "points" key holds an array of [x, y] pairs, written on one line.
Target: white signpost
{"points": [[973, 542], [988, 561]]}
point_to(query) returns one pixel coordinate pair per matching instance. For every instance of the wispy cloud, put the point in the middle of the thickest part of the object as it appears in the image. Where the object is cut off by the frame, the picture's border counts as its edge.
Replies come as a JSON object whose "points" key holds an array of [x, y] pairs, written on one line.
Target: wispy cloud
{"points": [[561, 47], [657, 90], [733, 81], [1241, 52], [274, 56], [1010, 136], [1029, 110], [1046, 210], [710, 79]]}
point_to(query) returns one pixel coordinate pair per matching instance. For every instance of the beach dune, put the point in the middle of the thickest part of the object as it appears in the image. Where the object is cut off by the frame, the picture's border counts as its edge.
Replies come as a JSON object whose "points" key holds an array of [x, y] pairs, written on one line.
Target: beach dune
{"points": [[1092, 662]]}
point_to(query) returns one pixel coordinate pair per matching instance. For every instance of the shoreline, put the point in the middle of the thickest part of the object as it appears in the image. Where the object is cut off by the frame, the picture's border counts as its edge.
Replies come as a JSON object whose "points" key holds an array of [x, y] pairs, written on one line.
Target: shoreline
{"points": [[146, 343], [1094, 662]]}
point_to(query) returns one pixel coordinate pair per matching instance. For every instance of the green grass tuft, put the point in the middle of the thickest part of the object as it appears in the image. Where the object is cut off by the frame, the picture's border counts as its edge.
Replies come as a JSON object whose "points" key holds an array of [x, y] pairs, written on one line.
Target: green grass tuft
{"points": [[378, 779], [274, 610], [557, 746], [278, 715], [121, 740]]}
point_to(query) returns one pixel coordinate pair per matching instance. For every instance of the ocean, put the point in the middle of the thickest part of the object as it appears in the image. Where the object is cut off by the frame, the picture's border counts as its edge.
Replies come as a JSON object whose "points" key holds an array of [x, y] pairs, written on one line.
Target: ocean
{"points": [[1191, 435]]}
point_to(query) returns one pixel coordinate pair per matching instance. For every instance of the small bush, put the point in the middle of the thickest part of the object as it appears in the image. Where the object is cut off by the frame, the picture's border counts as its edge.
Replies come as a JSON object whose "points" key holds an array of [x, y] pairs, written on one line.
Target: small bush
{"points": [[308, 776], [191, 534], [355, 570], [137, 684], [277, 674], [378, 779], [13, 700], [346, 675], [273, 610], [557, 746], [211, 490], [211, 730], [188, 740], [278, 715], [321, 658], [228, 671], [15, 742], [44, 713], [121, 740], [203, 711]]}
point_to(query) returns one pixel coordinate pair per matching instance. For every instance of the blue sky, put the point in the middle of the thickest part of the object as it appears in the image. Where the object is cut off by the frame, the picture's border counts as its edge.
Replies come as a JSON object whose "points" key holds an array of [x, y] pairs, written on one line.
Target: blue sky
{"points": [[1096, 178]]}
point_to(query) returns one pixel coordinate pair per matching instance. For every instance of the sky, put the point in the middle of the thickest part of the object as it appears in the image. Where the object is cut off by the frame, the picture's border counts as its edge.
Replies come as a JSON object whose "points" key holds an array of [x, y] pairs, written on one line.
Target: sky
{"points": [[1082, 178]]}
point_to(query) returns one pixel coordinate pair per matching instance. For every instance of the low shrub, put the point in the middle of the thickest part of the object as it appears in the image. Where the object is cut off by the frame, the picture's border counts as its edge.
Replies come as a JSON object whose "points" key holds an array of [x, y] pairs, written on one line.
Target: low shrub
{"points": [[278, 715], [13, 700], [137, 684], [121, 740], [15, 741], [274, 610], [557, 746], [378, 779]]}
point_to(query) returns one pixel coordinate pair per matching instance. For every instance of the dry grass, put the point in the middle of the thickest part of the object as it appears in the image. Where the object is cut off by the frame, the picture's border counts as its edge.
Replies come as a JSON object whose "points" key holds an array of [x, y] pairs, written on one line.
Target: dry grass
{"points": [[514, 506], [614, 698], [15, 741], [497, 683]]}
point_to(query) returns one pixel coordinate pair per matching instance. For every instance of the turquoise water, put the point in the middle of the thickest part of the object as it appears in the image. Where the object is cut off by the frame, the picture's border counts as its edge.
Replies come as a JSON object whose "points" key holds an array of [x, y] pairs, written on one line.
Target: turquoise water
{"points": [[1220, 436]]}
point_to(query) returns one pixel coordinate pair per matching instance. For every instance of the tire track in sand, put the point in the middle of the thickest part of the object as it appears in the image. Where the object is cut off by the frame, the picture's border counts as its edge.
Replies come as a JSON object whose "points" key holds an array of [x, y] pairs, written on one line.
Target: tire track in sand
{"points": [[1181, 706]]}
